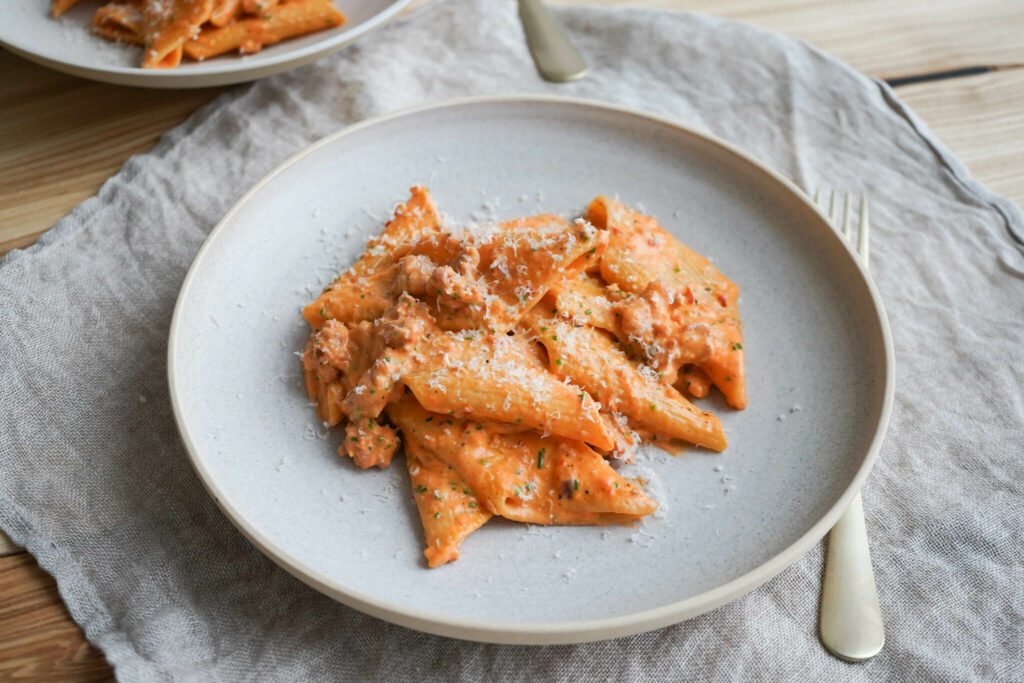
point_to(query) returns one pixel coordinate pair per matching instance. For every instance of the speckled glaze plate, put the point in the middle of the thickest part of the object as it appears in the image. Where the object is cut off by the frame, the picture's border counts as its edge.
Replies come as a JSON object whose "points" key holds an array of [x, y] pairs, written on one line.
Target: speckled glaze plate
{"points": [[817, 344], [67, 45]]}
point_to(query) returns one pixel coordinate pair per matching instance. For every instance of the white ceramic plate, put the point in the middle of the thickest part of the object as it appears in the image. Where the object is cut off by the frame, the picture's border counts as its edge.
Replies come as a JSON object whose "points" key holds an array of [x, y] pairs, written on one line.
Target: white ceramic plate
{"points": [[67, 45], [817, 345]]}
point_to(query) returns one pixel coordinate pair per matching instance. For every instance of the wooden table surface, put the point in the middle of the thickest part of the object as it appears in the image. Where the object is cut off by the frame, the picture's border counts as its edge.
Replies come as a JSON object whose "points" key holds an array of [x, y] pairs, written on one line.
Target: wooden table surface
{"points": [[959, 64]]}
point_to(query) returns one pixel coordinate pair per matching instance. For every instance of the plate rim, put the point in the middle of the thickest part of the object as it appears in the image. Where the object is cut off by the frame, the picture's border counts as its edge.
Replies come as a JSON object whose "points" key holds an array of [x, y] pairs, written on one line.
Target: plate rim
{"points": [[543, 632], [228, 73]]}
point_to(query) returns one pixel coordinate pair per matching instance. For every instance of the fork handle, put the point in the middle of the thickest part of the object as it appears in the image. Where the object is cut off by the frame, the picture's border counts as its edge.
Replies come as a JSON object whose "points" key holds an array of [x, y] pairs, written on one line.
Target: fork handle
{"points": [[557, 59], [851, 617]]}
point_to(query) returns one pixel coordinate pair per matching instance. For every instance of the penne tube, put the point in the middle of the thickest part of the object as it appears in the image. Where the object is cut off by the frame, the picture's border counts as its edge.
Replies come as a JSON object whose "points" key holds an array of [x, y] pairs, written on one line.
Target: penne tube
{"points": [[525, 477], [224, 12], [584, 300], [59, 7], [166, 27], [694, 381], [119, 21], [449, 511], [257, 6], [353, 298], [274, 25], [590, 358], [496, 377], [641, 255]]}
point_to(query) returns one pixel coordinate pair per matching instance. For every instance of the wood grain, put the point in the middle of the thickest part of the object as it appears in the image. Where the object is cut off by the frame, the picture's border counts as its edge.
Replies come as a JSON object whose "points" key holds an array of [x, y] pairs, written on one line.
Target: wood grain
{"points": [[7, 546], [38, 640], [981, 119], [61, 137], [880, 37]]}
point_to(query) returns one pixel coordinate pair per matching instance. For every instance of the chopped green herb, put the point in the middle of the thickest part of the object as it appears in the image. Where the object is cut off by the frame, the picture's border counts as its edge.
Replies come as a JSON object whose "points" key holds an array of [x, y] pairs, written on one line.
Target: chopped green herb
{"points": [[558, 361], [554, 337], [420, 488], [472, 505], [737, 347], [654, 407], [587, 312], [437, 515], [677, 269], [575, 484], [540, 458], [428, 419]]}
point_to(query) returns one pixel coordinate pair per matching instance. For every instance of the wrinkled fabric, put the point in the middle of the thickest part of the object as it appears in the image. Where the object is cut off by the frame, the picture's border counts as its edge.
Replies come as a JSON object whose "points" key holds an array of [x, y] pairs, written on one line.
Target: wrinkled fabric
{"points": [[95, 483]]}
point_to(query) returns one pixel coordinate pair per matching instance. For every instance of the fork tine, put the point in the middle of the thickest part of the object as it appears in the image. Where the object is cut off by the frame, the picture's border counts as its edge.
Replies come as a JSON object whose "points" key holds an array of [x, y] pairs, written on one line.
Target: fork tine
{"points": [[817, 198], [862, 241], [833, 209], [846, 216]]}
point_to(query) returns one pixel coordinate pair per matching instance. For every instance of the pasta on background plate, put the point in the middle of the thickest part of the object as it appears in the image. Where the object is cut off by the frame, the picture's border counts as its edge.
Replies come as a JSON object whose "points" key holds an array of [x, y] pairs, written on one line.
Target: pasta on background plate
{"points": [[167, 30], [517, 361]]}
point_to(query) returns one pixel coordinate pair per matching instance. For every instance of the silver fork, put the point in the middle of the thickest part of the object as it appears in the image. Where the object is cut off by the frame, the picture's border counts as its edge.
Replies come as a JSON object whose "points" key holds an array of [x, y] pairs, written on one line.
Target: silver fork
{"points": [[851, 617], [557, 59]]}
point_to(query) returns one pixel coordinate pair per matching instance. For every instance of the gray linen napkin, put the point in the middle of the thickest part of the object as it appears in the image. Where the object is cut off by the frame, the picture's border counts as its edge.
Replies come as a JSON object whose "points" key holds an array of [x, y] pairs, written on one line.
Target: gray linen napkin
{"points": [[94, 481]]}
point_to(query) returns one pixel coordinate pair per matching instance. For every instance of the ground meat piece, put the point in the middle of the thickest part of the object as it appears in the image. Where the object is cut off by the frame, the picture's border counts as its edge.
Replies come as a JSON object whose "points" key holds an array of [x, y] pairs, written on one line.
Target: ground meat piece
{"points": [[370, 443], [664, 329]]}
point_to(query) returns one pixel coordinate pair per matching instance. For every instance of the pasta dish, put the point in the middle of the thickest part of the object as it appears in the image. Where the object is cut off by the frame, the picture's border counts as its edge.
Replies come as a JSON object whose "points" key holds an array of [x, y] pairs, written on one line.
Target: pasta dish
{"points": [[518, 360], [167, 30]]}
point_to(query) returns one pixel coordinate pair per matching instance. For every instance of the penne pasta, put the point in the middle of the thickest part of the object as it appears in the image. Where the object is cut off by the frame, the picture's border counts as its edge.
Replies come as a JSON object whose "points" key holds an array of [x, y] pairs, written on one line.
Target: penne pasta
{"points": [[694, 381], [251, 34], [592, 360], [367, 290], [496, 377], [524, 476], [119, 21], [257, 6], [449, 511], [511, 359], [59, 7], [167, 25], [584, 300], [675, 283], [199, 29], [225, 11]]}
